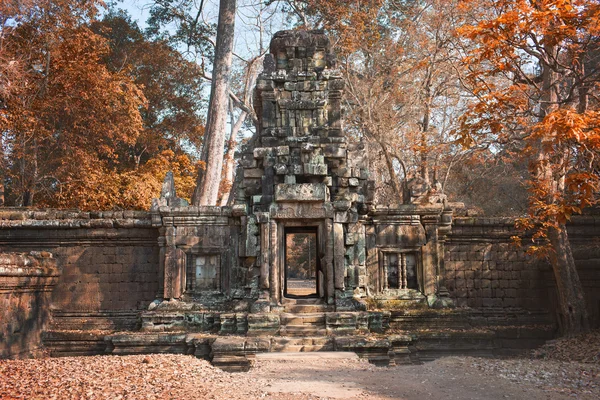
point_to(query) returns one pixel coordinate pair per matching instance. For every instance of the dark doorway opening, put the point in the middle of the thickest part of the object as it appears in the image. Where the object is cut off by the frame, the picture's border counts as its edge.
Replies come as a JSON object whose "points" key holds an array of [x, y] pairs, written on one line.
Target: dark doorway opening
{"points": [[302, 264]]}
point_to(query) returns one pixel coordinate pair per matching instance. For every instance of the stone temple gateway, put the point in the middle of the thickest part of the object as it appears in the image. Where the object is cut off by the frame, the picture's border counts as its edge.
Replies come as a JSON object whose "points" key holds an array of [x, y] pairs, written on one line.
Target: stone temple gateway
{"points": [[299, 172], [224, 283]]}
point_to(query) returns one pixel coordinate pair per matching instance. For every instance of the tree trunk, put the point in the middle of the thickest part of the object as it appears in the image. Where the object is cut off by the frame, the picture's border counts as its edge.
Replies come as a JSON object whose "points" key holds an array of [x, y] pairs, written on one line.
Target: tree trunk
{"points": [[423, 145], [392, 172], [207, 184], [229, 167], [573, 317], [424, 167]]}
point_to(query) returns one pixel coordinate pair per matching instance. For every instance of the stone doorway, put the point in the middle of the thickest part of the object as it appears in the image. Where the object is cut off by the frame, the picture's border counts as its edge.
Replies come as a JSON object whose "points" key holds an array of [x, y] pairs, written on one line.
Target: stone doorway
{"points": [[301, 263]]}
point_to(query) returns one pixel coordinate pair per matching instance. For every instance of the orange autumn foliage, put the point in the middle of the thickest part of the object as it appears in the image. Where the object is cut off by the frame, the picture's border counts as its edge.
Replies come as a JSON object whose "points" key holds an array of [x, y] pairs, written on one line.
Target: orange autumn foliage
{"points": [[350, 20], [68, 121], [535, 74]]}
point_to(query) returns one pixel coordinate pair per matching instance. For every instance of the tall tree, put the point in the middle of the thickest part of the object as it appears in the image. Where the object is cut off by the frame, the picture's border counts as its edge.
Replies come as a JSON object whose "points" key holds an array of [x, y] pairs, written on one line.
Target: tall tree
{"points": [[66, 113], [173, 86], [548, 51], [93, 113], [186, 23], [207, 189]]}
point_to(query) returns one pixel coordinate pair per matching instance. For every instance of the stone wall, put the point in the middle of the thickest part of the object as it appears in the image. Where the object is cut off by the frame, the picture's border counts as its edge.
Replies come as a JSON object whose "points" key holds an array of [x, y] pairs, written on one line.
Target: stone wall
{"points": [[109, 260], [484, 269], [110, 270], [26, 282]]}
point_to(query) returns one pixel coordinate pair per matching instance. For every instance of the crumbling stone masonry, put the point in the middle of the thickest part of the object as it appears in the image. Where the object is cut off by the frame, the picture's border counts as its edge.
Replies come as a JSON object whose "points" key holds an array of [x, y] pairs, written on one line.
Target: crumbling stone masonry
{"points": [[215, 282], [299, 171], [26, 283]]}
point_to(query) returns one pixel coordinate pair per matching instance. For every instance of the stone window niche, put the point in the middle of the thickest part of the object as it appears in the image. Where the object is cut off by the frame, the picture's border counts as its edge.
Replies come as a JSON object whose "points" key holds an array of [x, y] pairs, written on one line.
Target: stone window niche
{"points": [[399, 270], [203, 273]]}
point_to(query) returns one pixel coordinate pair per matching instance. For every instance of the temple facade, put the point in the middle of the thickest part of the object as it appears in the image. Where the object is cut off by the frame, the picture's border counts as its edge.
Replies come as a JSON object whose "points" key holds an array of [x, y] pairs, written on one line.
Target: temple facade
{"points": [[302, 259], [300, 175]]}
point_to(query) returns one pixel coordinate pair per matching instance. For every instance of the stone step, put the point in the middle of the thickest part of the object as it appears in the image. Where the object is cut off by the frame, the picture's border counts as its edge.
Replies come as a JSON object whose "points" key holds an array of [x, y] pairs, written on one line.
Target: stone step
{"points": [[304, 318], [303, 330], [301, 341], [307, 308], [232, 362], [74, 343], [324, 355], [301, 349], [308, 300]]}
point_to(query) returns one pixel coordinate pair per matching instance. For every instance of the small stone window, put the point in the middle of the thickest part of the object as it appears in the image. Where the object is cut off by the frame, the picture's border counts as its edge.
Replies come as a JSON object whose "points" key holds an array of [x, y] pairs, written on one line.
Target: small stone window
{"points": [[204, 274], [400, 270]]}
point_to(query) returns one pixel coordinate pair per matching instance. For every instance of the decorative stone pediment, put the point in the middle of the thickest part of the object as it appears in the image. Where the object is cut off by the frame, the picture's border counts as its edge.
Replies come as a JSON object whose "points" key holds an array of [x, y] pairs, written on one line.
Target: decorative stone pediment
{"points": [[301, 192]]}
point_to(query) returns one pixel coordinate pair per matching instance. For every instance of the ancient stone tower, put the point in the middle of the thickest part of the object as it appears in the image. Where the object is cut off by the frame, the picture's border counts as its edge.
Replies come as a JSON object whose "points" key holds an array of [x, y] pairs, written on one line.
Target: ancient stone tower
{"points": [[299, 175], [301, 172]]}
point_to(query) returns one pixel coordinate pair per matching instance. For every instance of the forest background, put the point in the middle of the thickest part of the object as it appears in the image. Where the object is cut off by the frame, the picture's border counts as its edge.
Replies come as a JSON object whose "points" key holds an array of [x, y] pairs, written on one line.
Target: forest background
{"points": [[97, 106]]}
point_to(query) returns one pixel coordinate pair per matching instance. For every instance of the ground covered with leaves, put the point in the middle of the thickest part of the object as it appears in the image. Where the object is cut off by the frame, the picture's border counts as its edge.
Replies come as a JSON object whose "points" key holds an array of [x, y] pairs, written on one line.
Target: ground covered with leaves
{"points": [[562, 369]]}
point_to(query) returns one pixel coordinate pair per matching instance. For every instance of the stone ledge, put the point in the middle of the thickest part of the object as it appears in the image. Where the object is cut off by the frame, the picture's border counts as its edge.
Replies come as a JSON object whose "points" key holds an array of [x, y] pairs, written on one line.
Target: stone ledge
{"points": [[75, 223], [27, 272]]}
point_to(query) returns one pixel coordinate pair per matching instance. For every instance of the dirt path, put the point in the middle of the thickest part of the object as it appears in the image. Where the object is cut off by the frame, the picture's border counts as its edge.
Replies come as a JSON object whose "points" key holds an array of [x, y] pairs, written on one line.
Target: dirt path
{"points": [[447, 378], [297, 377]]}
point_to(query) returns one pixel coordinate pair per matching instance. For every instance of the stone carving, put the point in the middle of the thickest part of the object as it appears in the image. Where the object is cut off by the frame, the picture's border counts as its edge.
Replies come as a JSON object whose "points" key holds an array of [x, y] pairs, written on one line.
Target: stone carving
{"points": [[168, 196]]}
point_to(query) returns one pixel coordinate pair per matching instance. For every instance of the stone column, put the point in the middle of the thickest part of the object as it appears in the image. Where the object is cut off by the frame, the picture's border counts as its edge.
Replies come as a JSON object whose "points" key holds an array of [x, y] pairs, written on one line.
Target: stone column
{"points": [[161, 263], [174, 266], [334, 112], [262, 304], [443, 296], [329, 271], [339, 252], [372, 259], [274, 262], [174, 273], [360, 256], [430, 257], [265, 240], [385, 271]]}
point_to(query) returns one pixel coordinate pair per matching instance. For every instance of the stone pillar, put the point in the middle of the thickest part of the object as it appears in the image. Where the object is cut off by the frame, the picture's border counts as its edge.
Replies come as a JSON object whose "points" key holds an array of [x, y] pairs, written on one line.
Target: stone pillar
{"points": [[329, 270], [174, 266], [174, 273], [274, 262], [339, 252], [334, 113], [443, 296], [385, 270], [161, 264], [430, 257], [372, 264], [265, 240]]}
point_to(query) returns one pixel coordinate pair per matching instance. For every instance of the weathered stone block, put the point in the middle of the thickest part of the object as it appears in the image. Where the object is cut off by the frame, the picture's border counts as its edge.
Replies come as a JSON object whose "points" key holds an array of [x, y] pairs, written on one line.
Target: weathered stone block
{"points": [[315, 169], [261, 152], [282, 150], [334, 151], [303, 192], [253, 173], [280, 169]]}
